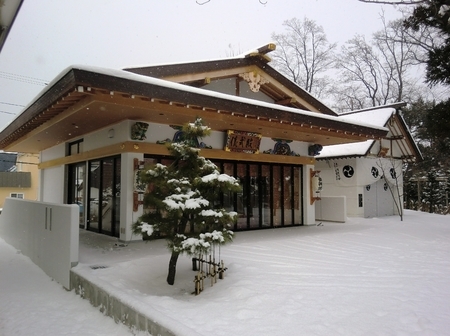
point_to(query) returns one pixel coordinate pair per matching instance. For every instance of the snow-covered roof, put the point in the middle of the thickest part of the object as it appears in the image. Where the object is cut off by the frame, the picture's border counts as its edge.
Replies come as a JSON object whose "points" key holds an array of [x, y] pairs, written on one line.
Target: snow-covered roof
{"points": [[213, 94], [378, 117], [353, 149], [187, 71], [77, 80]]}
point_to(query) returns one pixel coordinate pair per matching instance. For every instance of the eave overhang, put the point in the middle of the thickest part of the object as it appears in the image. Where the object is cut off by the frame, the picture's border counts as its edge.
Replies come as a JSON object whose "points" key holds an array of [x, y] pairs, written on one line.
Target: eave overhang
{"points": [[83, 100]]}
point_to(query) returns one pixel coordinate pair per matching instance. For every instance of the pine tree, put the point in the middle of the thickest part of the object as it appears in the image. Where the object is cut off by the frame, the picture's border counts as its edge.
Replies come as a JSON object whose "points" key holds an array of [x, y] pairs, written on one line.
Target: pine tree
{"points": [[432, 191], [435, 14], [183, 199]]}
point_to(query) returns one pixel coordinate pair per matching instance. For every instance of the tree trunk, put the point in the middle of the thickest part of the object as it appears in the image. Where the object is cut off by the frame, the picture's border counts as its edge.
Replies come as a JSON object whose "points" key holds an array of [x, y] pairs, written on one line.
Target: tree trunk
{"points": [[172, 268], [174, 257]]}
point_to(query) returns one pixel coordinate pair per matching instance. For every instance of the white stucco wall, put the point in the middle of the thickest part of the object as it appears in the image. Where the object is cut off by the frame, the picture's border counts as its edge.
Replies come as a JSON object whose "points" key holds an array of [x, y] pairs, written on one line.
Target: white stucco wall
{"points": [[228, 86], [332, 188], [54, 180], [54, 152], [52, 184], [127, 215], [309, 209], [355, 186], [110, 135]]}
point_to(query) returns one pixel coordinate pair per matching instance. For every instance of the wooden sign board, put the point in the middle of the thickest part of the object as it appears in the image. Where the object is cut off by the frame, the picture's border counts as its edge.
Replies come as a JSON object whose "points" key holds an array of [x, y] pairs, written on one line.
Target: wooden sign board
{"points": [[244, 142]]}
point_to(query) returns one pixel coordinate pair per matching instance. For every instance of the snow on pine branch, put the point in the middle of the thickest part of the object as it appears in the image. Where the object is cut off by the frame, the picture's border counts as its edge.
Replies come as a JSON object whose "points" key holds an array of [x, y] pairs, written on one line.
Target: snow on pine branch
{"points": [[215, 176], [204, 242], [185, 201]]}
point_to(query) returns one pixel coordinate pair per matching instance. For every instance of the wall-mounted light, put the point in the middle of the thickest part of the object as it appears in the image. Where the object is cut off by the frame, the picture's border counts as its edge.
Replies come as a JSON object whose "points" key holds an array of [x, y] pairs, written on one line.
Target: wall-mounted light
{"points": [[111, 133]]}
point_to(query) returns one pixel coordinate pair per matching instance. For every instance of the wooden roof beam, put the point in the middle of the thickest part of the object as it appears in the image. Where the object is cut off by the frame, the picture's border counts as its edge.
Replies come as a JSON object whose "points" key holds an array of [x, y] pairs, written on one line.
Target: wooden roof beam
{"points": [[262, 51], [286, 101], [199, 82]]}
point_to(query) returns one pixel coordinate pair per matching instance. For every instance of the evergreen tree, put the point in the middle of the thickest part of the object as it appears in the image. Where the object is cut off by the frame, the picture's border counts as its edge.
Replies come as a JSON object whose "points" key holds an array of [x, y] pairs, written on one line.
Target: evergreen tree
{"points": [[432, 193], [411, 194], [438, 126], [183, 200], [430, 127], [436, 15]]}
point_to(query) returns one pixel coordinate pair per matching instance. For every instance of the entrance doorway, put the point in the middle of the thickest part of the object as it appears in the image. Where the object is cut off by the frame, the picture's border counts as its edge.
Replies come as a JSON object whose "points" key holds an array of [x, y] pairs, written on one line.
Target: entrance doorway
{"points": [[77, 189], [104, 196], [270, 195]]}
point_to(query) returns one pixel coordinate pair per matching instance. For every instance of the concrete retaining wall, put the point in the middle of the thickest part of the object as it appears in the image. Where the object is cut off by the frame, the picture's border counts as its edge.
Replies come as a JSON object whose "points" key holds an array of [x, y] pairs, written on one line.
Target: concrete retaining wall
{"points": [[113, 307]]}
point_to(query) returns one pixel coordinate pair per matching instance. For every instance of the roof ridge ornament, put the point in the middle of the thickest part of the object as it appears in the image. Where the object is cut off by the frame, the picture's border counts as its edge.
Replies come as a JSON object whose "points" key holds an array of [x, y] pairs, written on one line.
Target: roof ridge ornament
{"points": [[254, 80]]}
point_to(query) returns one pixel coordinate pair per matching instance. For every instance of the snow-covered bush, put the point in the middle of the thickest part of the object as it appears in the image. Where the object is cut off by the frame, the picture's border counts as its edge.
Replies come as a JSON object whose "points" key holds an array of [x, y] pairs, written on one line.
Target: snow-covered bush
{"points": [[183, 200]]}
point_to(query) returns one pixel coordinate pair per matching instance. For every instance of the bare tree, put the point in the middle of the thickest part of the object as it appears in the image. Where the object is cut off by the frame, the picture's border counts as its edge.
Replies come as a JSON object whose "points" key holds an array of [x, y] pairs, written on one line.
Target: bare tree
{"points": [[304, 54], [381, 71], [361, 66], [399, 54], [396, 189]]}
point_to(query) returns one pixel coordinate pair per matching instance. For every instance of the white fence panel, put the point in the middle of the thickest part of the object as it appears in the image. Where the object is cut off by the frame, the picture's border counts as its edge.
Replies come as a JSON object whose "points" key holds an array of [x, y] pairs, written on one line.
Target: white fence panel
{"points": [[47, 233], [331, 208]]}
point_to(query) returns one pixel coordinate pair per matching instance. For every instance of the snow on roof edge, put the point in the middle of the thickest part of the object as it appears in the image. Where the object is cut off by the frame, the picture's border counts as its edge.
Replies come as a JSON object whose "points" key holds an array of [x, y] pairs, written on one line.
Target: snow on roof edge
{"points": [[182, 87], [351, 149]]}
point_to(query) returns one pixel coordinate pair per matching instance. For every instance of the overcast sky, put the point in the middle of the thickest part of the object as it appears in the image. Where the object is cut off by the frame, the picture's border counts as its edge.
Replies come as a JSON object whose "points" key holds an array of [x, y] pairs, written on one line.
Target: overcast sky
{"points": [[50, 35]]}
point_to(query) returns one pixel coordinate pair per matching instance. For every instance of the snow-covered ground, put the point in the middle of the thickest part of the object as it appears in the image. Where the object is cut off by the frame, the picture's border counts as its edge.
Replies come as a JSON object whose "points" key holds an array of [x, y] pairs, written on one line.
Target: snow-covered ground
{"points": [[365, 277]]}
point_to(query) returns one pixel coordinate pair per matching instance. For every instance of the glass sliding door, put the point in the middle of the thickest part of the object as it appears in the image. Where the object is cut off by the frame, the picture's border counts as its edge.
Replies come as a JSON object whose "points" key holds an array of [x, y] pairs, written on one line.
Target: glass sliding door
{"points": [[94, 195], [229, 199], [116, 192], [270, 193], [254, 197], [104, 196], [288, 201], [77, 189], [266, 196], [277, 194], [242, 197]]}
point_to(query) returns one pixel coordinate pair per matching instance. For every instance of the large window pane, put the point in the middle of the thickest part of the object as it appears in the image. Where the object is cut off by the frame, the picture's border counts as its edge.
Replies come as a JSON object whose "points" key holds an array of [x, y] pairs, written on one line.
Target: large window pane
{"points": [[254, 197], [228, 198], [277, 193], [266, 201], [79, 191], [288, 195], [242, 196], [107, 194], [94, 195], [117, 189], [298, 216]]}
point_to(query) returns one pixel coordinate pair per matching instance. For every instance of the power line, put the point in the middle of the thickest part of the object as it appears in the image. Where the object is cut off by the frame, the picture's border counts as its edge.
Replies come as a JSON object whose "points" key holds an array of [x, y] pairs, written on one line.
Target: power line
{"points": [[26, 77], [11, 104], [7, 112], [23, 80]]}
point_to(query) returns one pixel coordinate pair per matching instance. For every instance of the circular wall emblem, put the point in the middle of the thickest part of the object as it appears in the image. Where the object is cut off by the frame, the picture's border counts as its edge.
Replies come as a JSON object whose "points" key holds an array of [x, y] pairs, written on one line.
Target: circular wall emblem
{"points": [[348, 171], [375, 173]]}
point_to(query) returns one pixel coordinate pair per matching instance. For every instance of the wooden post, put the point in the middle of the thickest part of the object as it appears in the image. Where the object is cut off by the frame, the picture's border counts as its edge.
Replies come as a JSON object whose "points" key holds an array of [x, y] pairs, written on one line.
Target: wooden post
{"points": [[202, 283], [194, 264], [195, 285], [215, 270], [221, 270]]}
